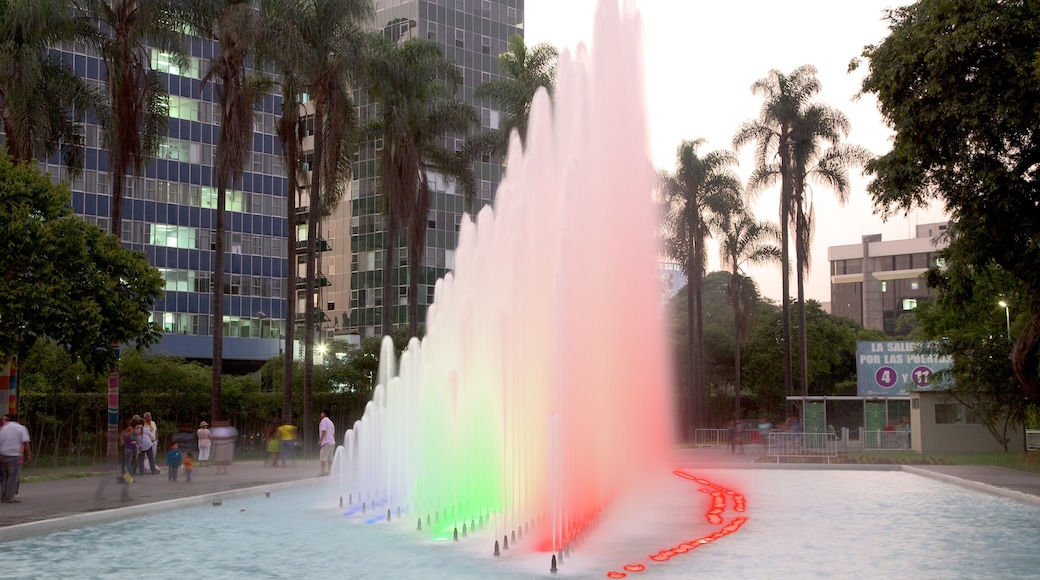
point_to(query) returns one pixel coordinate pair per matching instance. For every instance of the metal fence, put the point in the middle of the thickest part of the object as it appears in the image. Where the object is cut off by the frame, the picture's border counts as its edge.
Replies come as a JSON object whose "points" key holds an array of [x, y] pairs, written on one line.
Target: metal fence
{"points": [[881, 440], [809, 445], [710, 437]]}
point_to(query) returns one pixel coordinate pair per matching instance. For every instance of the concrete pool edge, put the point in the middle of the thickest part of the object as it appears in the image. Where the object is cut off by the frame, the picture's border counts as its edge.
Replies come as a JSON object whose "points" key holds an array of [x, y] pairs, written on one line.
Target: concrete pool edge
{"points": [[27, 529], [976, 485]]}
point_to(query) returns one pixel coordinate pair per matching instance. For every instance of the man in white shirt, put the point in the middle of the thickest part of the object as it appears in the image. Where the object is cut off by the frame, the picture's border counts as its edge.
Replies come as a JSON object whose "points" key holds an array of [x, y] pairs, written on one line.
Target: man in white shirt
{"points": [[326, 442], [14, 444]]}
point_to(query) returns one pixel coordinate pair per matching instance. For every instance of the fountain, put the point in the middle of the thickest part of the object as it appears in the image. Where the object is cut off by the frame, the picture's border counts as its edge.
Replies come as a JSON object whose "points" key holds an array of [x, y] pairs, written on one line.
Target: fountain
{"points": [[540, 391]]}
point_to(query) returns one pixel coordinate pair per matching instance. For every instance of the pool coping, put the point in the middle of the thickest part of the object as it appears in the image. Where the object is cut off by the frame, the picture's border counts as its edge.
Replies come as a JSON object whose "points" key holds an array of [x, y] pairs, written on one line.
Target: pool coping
{"points": [[27, 529], [976, 485]]}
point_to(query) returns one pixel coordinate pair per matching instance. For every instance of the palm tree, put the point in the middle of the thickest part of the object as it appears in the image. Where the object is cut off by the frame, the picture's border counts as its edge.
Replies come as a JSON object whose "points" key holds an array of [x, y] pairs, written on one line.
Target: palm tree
{"points": [[526, 70], [38, 95], [136, 119], [744, 240], [814, 126], [415, 86], [785, 98], [235, 25], [319, 45], [699, 185], [828, 167]]}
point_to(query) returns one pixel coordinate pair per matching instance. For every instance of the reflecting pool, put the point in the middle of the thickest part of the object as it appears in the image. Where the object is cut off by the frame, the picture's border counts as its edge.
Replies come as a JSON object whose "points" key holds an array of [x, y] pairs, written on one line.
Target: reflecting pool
{"points": [[799, 524]]}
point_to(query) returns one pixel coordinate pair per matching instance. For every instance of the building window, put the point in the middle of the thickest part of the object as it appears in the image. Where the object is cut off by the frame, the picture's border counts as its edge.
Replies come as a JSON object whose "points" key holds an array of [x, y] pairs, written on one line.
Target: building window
{"points": [[915, 285], [909, 303], [947, 414], [460, 39], [884, 286]]}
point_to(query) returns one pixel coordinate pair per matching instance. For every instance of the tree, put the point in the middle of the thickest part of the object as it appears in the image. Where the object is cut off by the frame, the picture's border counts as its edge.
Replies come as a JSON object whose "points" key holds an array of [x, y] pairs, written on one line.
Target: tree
{"points": [[965, 322], [321, 42], [414, 84], [816, 125], [743, 240], [64, 279], [39, 97], [235, 25], [135, 121], [526, 69], [699, 186], [957, 82], [785, 98]]}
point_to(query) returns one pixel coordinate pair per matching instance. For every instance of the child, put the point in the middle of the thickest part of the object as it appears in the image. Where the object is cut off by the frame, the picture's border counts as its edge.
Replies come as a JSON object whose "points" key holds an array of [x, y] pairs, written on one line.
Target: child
{"points": [[189, 466], [173, 462]]}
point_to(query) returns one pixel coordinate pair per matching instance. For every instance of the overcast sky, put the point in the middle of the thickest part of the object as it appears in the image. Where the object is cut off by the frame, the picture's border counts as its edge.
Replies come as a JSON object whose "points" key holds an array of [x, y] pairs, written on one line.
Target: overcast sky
{"points": [[701, 60]]}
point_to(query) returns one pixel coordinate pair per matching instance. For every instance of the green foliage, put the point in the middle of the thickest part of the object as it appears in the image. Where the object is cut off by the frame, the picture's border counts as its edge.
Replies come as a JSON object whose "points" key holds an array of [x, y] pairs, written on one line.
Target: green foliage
{"points": [[957, 81], [968, 323], [63, 278]]}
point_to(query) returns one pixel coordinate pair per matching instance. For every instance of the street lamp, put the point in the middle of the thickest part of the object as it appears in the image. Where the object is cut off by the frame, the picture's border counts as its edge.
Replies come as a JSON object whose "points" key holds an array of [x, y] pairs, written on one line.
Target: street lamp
{"points": [[1007, 316]]}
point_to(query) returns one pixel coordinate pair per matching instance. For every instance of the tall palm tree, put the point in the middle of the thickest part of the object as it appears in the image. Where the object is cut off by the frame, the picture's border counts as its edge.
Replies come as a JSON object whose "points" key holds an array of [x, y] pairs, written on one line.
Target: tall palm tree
{"points": [[785, 98], [319, 44], [699, 186], [138, 113], [414, 84], [236, 26], [828, 167], [38, 95], [526, 70], [744, 240], [818, 155]]}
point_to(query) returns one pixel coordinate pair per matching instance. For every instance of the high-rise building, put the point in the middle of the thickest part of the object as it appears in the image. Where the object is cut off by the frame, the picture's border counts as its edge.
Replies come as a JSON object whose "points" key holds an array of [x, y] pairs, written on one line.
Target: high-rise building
{"points": [[472, 33], [875, 282], [169, 213]]}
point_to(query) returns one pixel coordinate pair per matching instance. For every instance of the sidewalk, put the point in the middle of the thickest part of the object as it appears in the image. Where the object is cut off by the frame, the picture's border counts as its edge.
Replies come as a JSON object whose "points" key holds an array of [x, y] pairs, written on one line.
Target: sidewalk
{"points": [[64, 503], [58, 498]]}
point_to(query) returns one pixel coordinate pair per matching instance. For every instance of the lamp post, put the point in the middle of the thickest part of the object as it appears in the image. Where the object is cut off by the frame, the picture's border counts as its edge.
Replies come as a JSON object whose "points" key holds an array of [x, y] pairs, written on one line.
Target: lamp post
{"points": [[1007, 317]]}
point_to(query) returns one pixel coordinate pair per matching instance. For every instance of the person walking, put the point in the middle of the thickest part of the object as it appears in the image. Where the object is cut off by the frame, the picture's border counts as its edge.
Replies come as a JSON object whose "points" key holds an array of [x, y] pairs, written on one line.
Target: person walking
{"points": [[14, 449], [326, 442], [146, 451], [204, 442], [287, 443]]}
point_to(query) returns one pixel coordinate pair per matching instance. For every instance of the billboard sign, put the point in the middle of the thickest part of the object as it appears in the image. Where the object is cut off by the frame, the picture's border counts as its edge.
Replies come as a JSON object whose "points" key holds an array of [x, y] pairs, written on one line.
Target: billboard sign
{"points": [[894, 368]]}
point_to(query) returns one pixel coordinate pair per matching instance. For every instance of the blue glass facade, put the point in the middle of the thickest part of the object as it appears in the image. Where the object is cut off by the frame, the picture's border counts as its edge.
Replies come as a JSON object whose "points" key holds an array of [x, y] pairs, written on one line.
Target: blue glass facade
{"points": [[169, 213]]}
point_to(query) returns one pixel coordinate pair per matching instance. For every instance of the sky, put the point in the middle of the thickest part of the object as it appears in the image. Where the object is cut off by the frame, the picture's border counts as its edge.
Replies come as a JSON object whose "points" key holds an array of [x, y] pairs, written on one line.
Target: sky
{"points": [[701, 58]]}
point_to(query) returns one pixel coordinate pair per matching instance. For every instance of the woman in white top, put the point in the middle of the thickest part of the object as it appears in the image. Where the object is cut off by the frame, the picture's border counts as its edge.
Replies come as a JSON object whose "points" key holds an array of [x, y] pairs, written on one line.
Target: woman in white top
{"points": [[204, 441]]}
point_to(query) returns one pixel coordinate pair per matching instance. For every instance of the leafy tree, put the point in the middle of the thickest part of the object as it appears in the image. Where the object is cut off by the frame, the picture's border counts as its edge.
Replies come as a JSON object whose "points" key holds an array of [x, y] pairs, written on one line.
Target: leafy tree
{"points": [[743, 240], [700, 186], [957, 81], [38, 93], [64, 279], [415, 85], [525, 69], [235, 25], [135, 121], [966, 323]]}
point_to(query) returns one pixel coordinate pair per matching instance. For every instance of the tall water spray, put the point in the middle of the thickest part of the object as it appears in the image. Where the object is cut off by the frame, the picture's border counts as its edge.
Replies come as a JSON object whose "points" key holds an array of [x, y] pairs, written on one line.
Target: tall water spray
{"points": [[540, 390]]}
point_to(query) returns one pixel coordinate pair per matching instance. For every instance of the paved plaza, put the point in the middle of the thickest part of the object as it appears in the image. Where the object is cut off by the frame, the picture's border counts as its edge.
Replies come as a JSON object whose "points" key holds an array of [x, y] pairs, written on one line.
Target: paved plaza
{"points": [[65, 503]]}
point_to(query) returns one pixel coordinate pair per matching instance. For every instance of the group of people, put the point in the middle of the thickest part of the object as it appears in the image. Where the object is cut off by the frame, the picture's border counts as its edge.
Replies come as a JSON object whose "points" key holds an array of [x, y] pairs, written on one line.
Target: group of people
{"points": [[14, 451], [139, 438], [283, 438]]}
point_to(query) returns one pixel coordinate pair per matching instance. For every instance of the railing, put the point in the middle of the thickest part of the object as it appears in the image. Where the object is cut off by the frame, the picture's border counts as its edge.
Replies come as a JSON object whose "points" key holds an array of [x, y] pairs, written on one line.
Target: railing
{"points": [[1032, 439], [784, 444], [880, 440], [710, 437]]}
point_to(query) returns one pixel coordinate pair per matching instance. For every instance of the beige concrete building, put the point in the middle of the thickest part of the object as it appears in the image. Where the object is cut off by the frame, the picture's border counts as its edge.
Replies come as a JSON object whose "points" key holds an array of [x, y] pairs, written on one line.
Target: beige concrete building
{"points": [[875, 282], [941, 424]]}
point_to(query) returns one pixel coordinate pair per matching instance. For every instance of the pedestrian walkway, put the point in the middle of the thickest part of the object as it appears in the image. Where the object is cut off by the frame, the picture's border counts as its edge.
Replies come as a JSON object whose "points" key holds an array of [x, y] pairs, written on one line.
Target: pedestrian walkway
{"points": [[62, 498], [66, 503]]}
